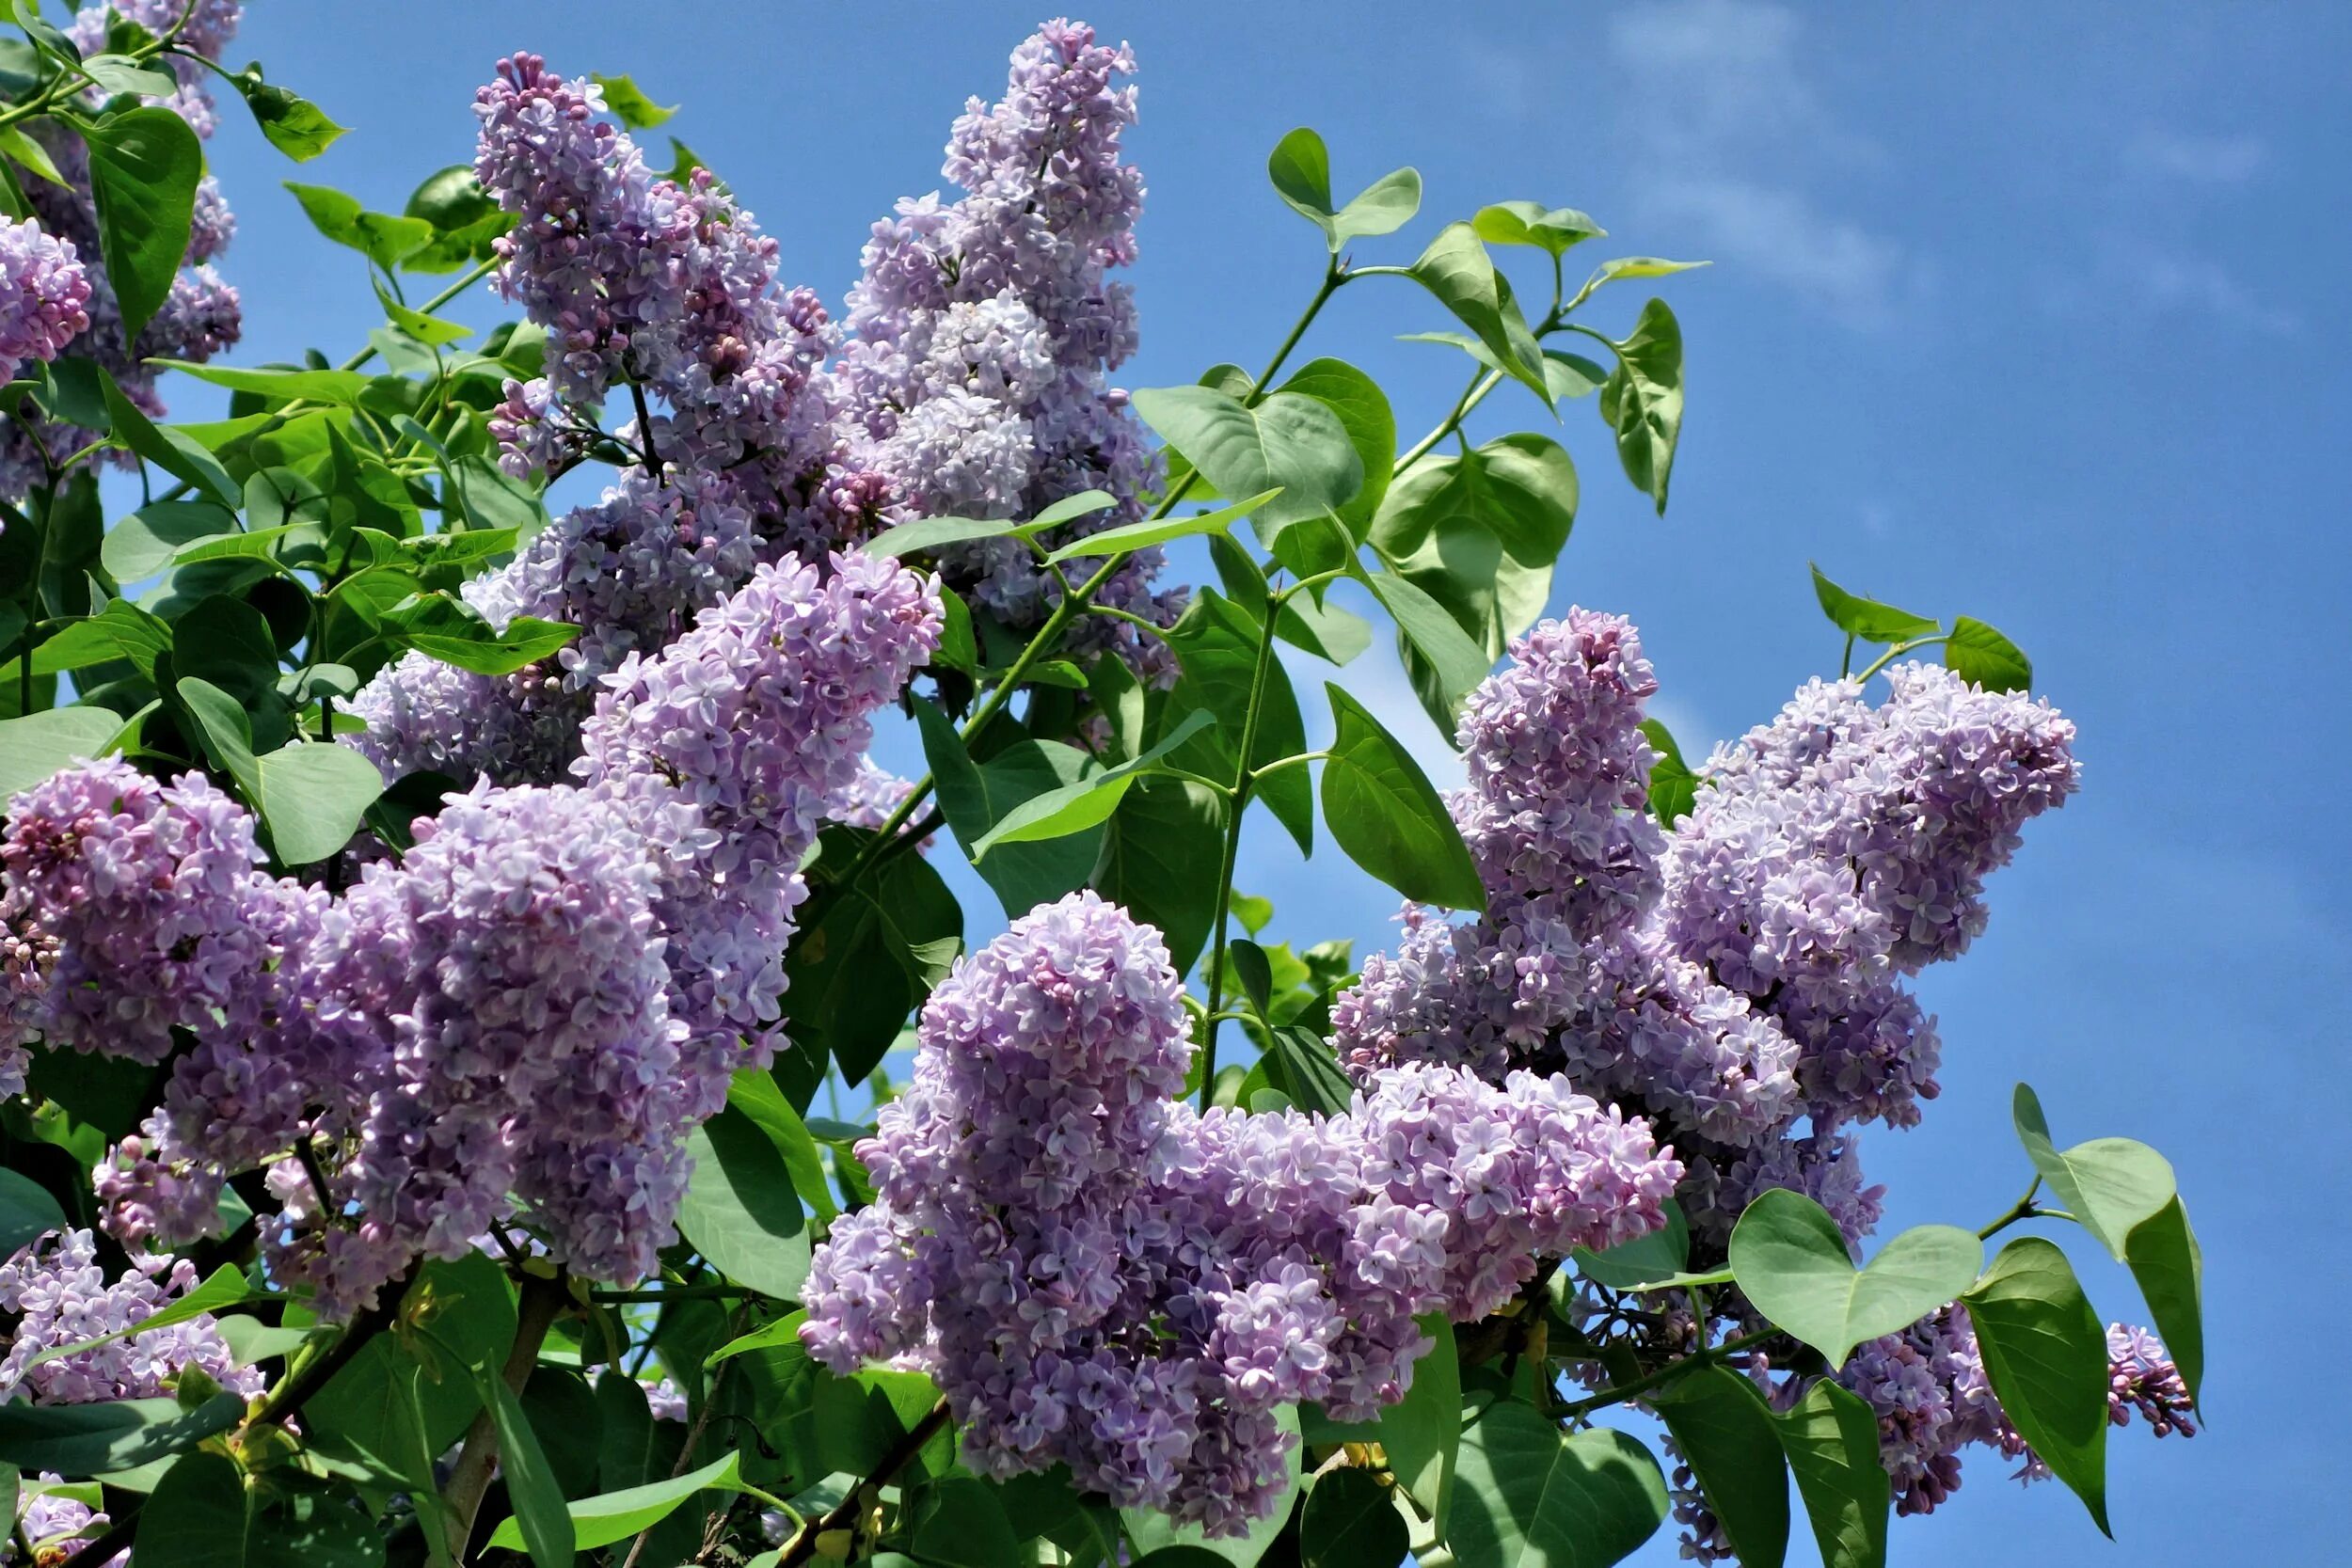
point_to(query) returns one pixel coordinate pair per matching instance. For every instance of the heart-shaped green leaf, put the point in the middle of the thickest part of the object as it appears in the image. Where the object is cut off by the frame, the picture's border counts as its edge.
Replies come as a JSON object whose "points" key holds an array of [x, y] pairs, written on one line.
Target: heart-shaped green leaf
{"points": [[1790, 1258], [1530, 1496], [2108, 1184], [2045, 1355]]}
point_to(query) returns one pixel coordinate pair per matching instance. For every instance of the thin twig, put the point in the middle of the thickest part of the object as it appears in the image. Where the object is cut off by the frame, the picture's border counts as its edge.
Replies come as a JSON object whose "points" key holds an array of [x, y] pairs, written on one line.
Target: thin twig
{"points": [[843, 1515]]}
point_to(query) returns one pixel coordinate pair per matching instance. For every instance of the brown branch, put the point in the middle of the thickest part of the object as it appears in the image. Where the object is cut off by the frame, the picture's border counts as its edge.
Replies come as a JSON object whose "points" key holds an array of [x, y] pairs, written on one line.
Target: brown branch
{"points": [[843, 1515], [536, 1313]]}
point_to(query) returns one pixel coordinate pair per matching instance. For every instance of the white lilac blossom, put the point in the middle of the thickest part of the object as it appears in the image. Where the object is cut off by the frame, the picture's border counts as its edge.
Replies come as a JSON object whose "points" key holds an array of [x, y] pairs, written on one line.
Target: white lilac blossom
{"points": [[202, 313], [724, 753], [44, 294], [1100, 1277], [981, 333], [59, 1295]]}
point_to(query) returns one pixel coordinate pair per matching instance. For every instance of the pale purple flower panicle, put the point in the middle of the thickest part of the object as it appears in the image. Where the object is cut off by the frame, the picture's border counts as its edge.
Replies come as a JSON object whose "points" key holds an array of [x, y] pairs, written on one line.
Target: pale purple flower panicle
{"points": [[2141, 1378], [1100, 1277], [44, 294], [61, 1297], [53, 1524], [725, 750], [981, 334]]}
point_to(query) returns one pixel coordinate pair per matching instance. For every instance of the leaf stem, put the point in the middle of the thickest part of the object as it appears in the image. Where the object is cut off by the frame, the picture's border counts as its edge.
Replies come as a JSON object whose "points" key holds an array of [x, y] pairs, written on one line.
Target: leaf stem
{"points": [[1244, 778], [843, 1515], [1898, 651]]}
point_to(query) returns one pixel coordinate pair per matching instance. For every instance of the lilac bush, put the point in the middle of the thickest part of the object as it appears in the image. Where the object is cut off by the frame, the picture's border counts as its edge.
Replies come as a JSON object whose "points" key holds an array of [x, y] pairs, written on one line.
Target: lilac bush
{"points": [[458, 963]]}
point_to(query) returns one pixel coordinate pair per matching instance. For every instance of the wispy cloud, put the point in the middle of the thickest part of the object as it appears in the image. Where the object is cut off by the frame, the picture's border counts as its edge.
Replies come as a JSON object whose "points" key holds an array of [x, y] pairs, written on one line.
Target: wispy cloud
{"points": [[1732, 138], [2205, 160]]}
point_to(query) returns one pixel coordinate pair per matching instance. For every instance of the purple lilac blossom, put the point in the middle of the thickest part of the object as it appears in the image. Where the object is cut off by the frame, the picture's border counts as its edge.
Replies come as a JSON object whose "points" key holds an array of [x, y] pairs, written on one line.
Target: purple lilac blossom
{"points": [[44, 294], [981, 334], [1102, 1277], [53, 1524], [60, 1296], [202, 314], [725, 751]]}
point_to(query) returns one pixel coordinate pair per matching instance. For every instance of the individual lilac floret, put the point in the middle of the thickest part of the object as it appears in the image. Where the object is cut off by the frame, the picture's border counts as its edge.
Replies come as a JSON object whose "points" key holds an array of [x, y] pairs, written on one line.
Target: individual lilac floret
{"points": [[511, 971], [61, 1297], [1103, 1278], [725, 752], [44, 294], [981, 333]]}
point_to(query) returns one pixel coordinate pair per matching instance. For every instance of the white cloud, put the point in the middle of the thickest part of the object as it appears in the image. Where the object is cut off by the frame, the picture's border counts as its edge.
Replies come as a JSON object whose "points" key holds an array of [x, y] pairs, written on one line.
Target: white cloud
{"points": [[1726, 123], [2206, 160], [2196, 286]]}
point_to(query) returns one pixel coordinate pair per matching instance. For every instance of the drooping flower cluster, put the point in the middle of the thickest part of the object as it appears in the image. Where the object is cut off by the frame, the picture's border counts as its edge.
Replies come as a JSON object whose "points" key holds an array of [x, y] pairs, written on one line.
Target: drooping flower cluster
{"points": [[201, 316], [982, 331], [1741, 979], [44, 294], [60, 1296], [1100, 1277], [531, 1007]]}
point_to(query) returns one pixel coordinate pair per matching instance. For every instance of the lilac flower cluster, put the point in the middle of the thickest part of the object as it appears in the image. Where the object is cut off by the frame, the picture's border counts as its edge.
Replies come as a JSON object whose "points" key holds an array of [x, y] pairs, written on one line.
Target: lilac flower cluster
{"points": [[44, 294], [1741, 980], [1928, 1388], [199, 317], [1100, 1277], [981, 333], [671, 287], [54, 1524], [60, 1296], [526, 1013], [726, 752]]}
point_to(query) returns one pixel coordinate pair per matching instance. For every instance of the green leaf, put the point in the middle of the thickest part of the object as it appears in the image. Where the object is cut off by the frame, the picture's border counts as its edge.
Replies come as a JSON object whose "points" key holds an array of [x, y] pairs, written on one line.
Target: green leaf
{"points": [[1832, 1441], [1642, 401], [2045, 1355], [1674, 789], [1363, 411], [342, 386], [975, 798], [1301, 1065], [1152, 1531], [2110, 1185], [630, 104], [1975, 652], [1285, 442], [1530, 223], [294, 125], [119, 73], [756, 1094], [1386, 814], [602, 1520], [465, 223], [1134, 536], [1457, 270], [961, 1524], [1300, 169], [34, 746], [144, 166], [1089, 802], [1790, 1258], [2165, 1258], [1479, 533], [1217, 643], [443, 626], [1663, 1252], [1249, 965], [1350, 1521], [1639, 266], [312, 798], [384, 239], [741, 1211], [1728, 1439], [167, 449], [1421, 1433], [1530, 1496], [867, 952], [1159, 860], [92, 1439], [1439, 647], [432, 331], [931, 533], [1867, 619], [530, 1487], [207, 1513], [373, 1399], [1569, 375], [27, 1212], [226, 1287]]}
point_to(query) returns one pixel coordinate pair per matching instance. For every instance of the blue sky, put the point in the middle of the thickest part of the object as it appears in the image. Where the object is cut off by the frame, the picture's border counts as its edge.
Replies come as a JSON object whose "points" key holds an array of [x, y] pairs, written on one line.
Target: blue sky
{"points": [[2032, 314]]}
